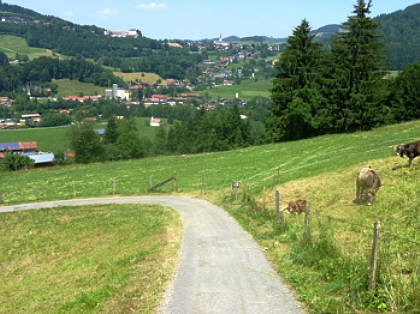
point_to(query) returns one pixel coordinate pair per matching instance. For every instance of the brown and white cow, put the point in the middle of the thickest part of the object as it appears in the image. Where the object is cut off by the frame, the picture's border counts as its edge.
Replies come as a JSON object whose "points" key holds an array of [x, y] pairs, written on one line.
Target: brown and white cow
{"points": [[367, 184], [411, 150], [296, 207]]}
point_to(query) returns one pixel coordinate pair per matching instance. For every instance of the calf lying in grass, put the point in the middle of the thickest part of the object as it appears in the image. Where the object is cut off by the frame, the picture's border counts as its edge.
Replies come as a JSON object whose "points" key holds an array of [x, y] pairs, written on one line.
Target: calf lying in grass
{"points": [[296, 207]]}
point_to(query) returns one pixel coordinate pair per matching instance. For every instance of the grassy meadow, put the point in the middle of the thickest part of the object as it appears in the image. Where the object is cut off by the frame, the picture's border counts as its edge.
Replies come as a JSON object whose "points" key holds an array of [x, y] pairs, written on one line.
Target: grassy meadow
{"points": [[57, 139], [330, 270], [48, 139], [68, 87], [141, 76], [11, 45], [247, 90], [102, 258], [329, 267], [257, 166]]}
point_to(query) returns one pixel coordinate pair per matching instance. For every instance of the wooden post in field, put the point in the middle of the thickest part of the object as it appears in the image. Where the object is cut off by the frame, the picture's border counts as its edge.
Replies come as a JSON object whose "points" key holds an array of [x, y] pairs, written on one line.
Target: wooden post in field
{"points": [[150, 182], [202, 185], [114, 186], [373, 259], [278, 206], [74, 189], [263, 198], [306, 225], [175, 185]]}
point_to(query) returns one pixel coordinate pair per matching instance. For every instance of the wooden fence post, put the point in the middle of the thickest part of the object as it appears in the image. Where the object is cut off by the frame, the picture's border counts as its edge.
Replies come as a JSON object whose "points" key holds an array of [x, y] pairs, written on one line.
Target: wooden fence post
{"points": [[150, 182], [306, 225], [114, 186], [175, 185], [278, 206], [202, 185], [373, 259], [263, 198]]}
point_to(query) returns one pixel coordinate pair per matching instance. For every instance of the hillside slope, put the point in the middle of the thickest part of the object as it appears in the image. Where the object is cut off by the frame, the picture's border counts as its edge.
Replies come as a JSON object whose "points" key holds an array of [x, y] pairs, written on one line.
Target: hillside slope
{"points": [[331, 270], [257, 166], [401, 31]]}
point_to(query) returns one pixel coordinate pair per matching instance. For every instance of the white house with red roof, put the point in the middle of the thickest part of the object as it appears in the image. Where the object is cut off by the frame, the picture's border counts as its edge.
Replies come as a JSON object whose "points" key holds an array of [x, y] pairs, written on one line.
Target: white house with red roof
{"points": [[155, 122]]}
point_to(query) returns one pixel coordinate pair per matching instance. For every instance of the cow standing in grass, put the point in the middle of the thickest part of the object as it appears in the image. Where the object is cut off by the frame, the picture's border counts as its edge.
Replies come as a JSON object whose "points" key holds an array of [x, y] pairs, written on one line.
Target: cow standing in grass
{"points": [[411, 150], [367, 184]]}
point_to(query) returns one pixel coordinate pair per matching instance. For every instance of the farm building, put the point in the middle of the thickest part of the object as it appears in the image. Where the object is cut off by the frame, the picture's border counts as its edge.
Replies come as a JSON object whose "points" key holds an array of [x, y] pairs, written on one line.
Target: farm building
{"points": [[29, 149]]}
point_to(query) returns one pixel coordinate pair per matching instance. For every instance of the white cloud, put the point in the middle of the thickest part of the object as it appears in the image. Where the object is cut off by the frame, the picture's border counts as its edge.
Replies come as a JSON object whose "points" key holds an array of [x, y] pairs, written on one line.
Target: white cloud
{"points": [[108, 12], [151, 5]]}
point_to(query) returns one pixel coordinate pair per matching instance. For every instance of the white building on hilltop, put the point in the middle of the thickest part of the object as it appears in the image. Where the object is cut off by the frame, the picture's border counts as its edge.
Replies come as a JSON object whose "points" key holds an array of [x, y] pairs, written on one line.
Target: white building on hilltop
{"points": [[130, 33]]}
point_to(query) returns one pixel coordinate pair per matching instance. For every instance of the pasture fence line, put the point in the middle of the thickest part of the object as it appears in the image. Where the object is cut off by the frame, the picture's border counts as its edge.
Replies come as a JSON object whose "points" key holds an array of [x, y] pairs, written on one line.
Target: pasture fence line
{"points": [[378, 234]]}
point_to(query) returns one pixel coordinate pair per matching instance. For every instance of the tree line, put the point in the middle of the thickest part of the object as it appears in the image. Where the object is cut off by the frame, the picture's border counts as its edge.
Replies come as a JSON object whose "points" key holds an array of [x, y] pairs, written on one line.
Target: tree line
{"points": [[130, 54], [44, 69], [202, 131], [340, 90]]}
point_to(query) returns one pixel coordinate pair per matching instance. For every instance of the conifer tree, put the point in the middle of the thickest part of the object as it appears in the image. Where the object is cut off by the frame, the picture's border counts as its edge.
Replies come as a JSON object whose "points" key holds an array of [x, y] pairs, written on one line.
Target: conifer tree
{"points": [[295, 93], [354, 73], [111, 132]]}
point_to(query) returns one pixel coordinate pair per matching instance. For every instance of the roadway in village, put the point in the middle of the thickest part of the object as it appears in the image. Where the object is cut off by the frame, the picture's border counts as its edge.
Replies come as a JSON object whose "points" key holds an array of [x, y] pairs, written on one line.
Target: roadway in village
{"points": [[221, 268]]}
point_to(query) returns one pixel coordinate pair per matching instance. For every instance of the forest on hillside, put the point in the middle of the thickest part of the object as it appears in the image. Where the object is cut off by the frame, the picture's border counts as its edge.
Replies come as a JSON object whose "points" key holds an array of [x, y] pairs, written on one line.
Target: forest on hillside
{"points": [[401, 33]]}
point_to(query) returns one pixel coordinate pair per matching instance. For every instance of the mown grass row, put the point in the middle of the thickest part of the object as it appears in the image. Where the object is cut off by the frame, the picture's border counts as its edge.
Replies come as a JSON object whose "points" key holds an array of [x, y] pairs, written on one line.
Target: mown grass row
{"points": [[257, 166], [101, 258]]}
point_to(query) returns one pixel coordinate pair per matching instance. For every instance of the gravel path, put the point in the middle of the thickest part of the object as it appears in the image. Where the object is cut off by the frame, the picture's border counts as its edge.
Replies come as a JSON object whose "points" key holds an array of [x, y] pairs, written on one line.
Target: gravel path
{"points": [[221, 269]]}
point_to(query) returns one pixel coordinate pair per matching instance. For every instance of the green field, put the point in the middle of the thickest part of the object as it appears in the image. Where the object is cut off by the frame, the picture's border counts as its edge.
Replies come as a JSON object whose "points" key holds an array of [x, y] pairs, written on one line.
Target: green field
{"points": [[143, 77], [68, 87], [58, 138], [329, 267], [11, 45], [48, 139], [247, 90], [102, 258], [256, 166]]}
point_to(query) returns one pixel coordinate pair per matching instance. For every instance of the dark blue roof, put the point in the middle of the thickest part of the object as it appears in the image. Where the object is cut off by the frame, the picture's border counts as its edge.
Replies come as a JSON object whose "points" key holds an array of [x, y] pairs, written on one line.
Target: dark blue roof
{"points": [[9, 146]]}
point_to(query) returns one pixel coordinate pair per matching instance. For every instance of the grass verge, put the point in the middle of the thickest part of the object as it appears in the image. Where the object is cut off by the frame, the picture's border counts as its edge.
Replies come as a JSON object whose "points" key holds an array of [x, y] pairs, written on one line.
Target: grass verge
{"points": [[102, 258]]}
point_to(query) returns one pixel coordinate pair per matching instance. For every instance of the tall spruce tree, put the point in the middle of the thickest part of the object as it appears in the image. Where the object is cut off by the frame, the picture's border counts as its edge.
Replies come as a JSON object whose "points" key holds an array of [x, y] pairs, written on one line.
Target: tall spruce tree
{"points": [[354, 72], [295, 94]]}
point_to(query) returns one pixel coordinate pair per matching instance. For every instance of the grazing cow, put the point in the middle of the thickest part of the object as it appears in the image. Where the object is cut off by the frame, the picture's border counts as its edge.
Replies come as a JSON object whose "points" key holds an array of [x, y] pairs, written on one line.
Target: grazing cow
{"points": [[367, 184], [296, 207], [411, 150]]}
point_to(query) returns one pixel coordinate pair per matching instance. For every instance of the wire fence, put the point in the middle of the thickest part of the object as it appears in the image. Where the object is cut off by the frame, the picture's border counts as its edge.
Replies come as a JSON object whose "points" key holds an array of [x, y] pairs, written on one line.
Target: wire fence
{"points": [[379, 257]]}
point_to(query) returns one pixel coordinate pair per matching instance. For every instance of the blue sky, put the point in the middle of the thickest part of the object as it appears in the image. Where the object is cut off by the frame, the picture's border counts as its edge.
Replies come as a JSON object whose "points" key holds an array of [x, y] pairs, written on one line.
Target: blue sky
{"points": [[194, 19]]}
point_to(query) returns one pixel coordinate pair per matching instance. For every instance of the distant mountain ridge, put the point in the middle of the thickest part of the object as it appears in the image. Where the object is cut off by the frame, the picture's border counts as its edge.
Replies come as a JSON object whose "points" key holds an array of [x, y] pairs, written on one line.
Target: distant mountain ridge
{"points": [[324, 31]]}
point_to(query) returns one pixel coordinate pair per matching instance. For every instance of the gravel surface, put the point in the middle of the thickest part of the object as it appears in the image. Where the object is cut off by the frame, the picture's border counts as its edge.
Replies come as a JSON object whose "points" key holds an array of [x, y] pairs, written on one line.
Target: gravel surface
{"points": [[221, 269]]}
